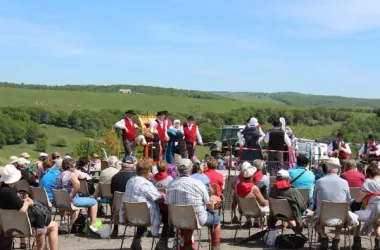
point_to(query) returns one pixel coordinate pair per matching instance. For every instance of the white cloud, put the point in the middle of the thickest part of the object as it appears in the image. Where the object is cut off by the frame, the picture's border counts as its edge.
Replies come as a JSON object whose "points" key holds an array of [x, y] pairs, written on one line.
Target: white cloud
{"points": [[330, 17], [42, 39]]}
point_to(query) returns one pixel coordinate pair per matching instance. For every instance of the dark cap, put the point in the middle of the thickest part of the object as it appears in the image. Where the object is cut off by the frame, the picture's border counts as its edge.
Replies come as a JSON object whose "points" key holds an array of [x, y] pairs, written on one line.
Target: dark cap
{"points": [[128, 160], [159, 113], [190, 118], [166, 112], [129, 111], [371, 137], [339, 135]]}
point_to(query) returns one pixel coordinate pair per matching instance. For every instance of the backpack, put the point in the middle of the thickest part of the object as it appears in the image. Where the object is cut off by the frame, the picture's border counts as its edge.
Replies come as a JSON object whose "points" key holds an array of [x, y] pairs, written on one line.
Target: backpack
{"points": [[79, 224], [39, 215], [5, 242]]}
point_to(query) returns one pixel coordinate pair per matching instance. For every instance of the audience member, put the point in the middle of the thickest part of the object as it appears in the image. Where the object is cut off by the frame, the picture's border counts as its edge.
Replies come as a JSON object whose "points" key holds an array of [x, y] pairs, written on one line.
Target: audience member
{"points": [[197, 173], [352, 175], [214, 176], [162, 178], [48, 181]]}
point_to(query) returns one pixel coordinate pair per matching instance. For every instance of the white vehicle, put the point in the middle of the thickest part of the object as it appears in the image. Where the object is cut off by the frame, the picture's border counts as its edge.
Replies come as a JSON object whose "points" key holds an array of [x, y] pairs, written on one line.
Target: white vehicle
{"points": [[312, 148]]}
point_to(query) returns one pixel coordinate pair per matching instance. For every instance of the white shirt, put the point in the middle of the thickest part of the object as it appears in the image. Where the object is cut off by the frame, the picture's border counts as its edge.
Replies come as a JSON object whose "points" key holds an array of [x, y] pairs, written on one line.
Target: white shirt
{"points": [[286, 139], [346, 150], [121, 124], [199, 137], [361, 151]]}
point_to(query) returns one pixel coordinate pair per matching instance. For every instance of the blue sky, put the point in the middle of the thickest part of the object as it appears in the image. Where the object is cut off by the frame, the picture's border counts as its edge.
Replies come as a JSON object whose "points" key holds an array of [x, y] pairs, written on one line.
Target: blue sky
{"points": [[318, 47]]}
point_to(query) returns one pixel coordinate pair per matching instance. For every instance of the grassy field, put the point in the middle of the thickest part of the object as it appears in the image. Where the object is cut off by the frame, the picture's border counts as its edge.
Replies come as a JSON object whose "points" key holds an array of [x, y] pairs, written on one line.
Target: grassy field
{"points": [[53, 134], [71, 100]]}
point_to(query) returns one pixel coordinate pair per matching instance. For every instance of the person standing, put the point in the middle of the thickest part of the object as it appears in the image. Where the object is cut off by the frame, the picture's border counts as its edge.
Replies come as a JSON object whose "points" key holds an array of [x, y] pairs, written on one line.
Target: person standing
{"points": [[192, 135], [339, 148], [251, 136], [162, 130], [276, 139], [168, 120], [176, 144], [370, 150], [128, 126]]}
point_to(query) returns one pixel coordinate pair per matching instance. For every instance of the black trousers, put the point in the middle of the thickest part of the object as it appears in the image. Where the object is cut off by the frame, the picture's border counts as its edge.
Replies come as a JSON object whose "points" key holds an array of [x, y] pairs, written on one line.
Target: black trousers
{"points": [[190, 149], [129, 146]]}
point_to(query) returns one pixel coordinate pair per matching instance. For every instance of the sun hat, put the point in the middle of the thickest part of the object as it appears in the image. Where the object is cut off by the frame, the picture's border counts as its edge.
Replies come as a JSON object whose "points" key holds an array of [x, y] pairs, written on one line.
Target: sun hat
{"points": [[25, 155], [43, 155], [244, 166], [184, 165], [10, 174], [283, 173], [333, 163], [21, 161], [249, 172], [95, 155], [13, 159]]}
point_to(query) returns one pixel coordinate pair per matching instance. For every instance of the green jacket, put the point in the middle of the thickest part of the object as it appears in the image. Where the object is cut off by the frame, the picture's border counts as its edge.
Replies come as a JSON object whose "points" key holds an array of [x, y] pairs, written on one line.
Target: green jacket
{"points": [[295, 200]]}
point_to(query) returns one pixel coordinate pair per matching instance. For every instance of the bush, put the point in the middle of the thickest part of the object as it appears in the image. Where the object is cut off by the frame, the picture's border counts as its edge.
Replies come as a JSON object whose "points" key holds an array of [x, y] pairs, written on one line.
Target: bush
{"points": [[42, 144], [61, 142], [2, 140]]}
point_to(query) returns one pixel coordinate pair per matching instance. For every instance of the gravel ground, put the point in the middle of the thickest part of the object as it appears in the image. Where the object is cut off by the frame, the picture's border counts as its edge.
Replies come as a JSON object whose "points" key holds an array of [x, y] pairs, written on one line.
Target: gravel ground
{"points": [[93, 242]]}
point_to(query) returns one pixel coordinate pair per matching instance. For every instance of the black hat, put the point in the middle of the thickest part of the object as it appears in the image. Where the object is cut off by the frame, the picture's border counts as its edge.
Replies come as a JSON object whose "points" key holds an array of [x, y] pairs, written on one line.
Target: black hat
{"points": [[129, 111], [159, 113], [190, 118], [371, 137], [339, 135], [166, 112]]}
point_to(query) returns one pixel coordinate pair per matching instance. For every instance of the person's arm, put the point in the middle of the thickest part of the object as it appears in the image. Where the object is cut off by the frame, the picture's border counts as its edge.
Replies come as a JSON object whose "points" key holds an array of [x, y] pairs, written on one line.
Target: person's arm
{"points": [[361, 151], [25, 206], [199, 137], [259, 197], [266, 138], [288, 142], [347, 149], [262, 135], [76, 185], [120, 124]]}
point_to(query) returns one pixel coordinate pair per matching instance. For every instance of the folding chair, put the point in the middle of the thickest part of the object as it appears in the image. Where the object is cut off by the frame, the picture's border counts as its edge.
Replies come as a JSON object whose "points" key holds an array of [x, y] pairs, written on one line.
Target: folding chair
{"points": [[22, 187], [184, 218], [39, 194], [250, 208], [305, 195], [116, 205], [354, 192], [83, 189], [62, 201], [281, 210], [136, 214], [17, 225], [105, 193], [334, 214]]}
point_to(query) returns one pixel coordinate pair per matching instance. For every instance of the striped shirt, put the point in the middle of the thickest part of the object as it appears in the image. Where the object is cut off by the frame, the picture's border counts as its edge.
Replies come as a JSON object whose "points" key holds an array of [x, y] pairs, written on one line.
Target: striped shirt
{"points": [[139, 189], [189, 191]]}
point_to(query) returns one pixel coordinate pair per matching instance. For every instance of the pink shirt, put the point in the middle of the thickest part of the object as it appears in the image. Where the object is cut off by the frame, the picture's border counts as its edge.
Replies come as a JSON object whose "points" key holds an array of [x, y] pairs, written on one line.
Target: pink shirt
{"points": [[82, 175]]}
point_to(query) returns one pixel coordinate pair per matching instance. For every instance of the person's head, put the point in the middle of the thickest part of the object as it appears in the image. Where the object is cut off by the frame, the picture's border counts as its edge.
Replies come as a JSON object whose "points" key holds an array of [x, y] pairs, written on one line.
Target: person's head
{"points": [[282, 175], [259, 165], [130, 113], [83, 161], [185, 167], [276, 123], [177, 124], [43, 156], [333, 165], [350, 165], [47, 163], [248, 173], [339, 137], [227, 153], [21, 163], [55, 156], [68, 165], [211, 164], [58, 164], [190, 119], [10, 175], [113, 161], [360, 167], [162, 166], [13, 160], [197, 168], [302, 160], [25, 155], [371, 139], [161, 115], [128, 163], [144, 168], [95, 156], [167, 115], [372, 171], [219, 162], [244, 166]]}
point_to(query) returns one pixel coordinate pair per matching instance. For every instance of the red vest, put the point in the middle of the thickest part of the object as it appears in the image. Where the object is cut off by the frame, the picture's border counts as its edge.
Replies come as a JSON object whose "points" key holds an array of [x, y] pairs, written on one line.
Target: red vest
{"points": [[161, 130], [168, 123], [190, 134], [131, 135]]}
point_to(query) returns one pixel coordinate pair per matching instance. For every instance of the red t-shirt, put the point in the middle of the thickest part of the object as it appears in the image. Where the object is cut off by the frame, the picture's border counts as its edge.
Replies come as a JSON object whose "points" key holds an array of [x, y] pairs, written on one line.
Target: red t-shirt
{"points": [[354, 178], [216, 178]]}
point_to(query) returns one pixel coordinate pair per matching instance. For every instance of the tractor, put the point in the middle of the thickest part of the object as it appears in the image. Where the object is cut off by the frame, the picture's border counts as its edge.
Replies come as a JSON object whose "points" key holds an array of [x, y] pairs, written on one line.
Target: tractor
{"points": [[228, 138]]}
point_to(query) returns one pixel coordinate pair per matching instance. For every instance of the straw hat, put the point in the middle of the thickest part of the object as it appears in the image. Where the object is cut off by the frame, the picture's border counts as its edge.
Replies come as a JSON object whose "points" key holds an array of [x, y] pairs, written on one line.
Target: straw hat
{"points": [[13, 159], [333, 163], [10, 174], [25, 155]]}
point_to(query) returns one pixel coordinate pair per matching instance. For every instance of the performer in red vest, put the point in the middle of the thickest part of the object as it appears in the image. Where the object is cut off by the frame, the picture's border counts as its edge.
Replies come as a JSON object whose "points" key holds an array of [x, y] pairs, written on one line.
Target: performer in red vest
{"points": [[162, 130], [192, 135], [370, 150], [128, 126], [339, 148], [168, 120]]}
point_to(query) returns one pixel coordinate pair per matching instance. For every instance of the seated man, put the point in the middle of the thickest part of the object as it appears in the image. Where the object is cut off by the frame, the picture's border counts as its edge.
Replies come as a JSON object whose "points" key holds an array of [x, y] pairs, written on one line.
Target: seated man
{"points": [[10, 200], [21, 166], [352, 175], [214, 176], [330, 188], [107, 174], [189, 191], [300, 177], [140, 189], [283, 190]]}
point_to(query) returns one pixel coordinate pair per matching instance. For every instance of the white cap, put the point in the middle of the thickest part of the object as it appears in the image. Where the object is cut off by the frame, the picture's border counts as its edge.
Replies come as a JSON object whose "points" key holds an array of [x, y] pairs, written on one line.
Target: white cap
{"points": [[10, 174], [244, 166], [44, 155], [22, 161], [249, 172], [283, 173]]}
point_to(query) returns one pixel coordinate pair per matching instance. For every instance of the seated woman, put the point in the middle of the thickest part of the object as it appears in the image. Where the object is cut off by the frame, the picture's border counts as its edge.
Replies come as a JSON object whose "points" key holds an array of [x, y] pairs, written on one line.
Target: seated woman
{"points": [[162, 178], [10, 200], [369, 195], [236, 180], [246, 189], [283, 190], [69, 181]]}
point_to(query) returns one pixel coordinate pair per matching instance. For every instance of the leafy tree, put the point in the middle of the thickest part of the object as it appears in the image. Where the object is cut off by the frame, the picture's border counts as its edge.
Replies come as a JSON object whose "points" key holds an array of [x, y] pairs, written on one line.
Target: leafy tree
{"points": [[61, 142], [42, 144], [2, 140]]}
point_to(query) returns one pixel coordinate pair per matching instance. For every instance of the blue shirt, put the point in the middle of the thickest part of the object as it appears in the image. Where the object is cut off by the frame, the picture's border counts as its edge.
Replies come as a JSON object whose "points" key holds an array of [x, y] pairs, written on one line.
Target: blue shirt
{"points": [[203, 178], [48, 181], [222, 167], [307, 180]]}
